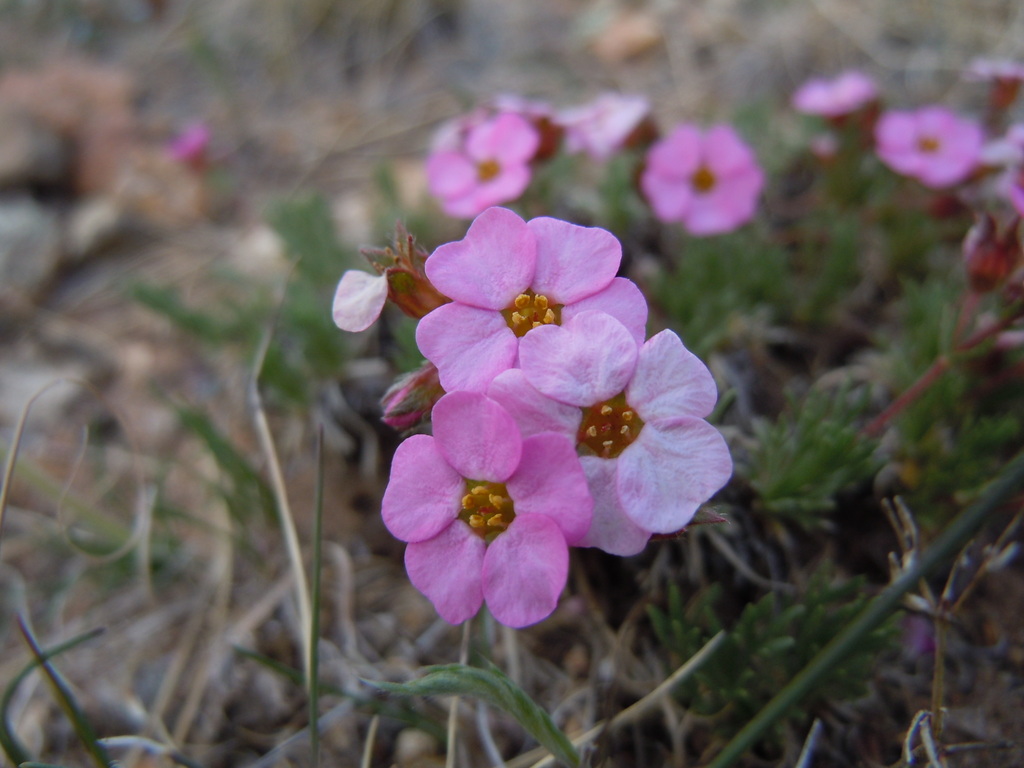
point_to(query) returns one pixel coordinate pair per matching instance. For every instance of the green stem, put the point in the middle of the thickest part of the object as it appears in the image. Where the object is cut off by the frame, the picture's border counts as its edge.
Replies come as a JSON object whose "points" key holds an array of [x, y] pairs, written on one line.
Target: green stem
{"points": [[963, 527]]}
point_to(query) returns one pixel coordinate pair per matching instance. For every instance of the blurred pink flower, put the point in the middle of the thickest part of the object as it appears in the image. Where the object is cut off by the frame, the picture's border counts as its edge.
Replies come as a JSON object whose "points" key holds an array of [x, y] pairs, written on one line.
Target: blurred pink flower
{"points": [[508, 277], [987, 70], [837, 97], [191, 145], [637, 416], [488, 515], [489, 166], [709, 181], [931, 144], [604, 126], [410, 399]]}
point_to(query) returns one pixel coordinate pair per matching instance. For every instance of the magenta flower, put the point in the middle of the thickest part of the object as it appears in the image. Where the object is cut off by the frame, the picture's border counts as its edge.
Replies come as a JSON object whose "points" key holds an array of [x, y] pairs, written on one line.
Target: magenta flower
{"points": [[837, 97], [931, 144], [708, 181], [491, 165], [489, 515], [508, 277], [190, 146], [637, 416], [602, 127]]}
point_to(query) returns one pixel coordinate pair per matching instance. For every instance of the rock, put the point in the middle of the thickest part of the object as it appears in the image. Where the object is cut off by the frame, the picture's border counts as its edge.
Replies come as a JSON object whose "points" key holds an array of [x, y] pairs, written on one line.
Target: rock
{"points": [[412, 746], [30, 244], [30, 152]]}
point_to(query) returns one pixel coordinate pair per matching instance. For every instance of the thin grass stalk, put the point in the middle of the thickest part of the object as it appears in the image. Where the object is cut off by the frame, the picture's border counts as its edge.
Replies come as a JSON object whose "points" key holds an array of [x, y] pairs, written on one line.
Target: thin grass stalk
{"points": [[371, 737], [453, 711], [314, 631], [284, 513], [956, 534], [62, 692]]}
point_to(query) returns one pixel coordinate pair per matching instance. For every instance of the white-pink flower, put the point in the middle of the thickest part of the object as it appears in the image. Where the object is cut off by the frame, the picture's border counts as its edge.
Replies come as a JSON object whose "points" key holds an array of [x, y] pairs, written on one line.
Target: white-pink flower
{"points": [[839, 96], [637, 414], [709, 181], [986, 70], [490, 165], [931, 144], [602, 127], [508, 277], [488, 514]]}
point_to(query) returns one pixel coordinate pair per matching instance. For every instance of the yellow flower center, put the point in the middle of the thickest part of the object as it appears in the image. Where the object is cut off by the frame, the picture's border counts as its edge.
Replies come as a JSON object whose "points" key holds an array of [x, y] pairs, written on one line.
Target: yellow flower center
{"points": [[486, 508], [487, 170], [530, 310], [703, 180], [608, 428], [928, 144]]}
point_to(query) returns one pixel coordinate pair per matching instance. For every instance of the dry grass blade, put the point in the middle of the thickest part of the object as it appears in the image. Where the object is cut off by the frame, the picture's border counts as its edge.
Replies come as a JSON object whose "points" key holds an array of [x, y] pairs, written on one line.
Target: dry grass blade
{"points": [[371, 737]]}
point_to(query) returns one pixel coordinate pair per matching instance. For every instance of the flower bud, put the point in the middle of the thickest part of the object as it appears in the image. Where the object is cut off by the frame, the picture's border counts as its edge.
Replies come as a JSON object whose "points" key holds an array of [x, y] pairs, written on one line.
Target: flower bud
{"points": [[408, 286], [411, 398], [989, 255]]}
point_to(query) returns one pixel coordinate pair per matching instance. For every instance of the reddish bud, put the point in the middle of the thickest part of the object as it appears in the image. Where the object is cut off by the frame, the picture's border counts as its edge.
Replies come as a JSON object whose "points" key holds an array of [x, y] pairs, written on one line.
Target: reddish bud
{"points": [[409, 401], [408, 286], [990, 255]]}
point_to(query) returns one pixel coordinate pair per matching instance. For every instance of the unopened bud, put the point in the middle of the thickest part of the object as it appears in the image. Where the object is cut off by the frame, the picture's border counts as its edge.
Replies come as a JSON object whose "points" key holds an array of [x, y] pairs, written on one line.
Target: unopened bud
{"points": [[409, 401], [989, 255], [402, 264]]}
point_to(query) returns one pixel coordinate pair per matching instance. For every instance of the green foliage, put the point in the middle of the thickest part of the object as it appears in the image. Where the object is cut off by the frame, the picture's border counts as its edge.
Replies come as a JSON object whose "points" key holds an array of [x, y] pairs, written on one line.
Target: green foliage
{"points": [[800, 462], [722, 284], [772, 640], [494, 687], [307, 346], [829, 256]]}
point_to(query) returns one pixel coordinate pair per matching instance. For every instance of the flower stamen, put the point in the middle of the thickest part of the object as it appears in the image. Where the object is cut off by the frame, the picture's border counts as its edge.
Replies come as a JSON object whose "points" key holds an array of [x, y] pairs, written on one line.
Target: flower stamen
{"points": [[487, 508], [608, 428], [531, 310]]}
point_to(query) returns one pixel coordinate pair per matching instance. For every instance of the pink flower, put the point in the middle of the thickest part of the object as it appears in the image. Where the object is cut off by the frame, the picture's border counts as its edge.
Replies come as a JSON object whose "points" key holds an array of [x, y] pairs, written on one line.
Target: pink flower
{"points": [[508, 277], [359, 300], [637, 416], [708, 181], [837, 97], [190, 146], [994, 69], [489, 515], [604, 126], [490, 165], [931, 144]]}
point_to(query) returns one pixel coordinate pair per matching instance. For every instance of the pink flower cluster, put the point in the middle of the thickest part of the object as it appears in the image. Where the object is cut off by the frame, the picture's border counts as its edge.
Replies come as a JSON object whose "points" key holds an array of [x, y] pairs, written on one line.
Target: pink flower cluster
{"points": [[837, 97], [560, 426], [931, 144]]}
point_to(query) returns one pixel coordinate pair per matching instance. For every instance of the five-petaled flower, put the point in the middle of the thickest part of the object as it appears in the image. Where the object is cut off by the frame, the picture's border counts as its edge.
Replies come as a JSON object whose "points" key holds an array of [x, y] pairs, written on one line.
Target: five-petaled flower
{"points": [[931, 144], [605, 125], [637, 415], [709, 181], [508, 277], [488, 514], [490, 165]]}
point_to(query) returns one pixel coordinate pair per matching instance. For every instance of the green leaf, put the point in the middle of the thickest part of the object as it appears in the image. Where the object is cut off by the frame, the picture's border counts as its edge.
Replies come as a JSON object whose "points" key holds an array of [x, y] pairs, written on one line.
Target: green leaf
{"points": [[494, 687]]}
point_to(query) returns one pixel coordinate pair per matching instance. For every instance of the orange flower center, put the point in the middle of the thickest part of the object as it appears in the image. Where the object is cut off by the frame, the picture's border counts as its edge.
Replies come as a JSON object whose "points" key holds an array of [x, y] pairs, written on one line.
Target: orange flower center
{"points": [[608, 428], [928, 144], [530, 310], [486, 508], [703, 180], [487, 170]]}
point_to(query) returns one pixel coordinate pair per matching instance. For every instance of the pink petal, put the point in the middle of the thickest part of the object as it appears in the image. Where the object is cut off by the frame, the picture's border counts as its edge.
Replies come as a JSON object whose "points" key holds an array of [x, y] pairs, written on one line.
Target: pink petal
{"points": [[622, 300], [490, 266], [476, 436], [896, 132], [550, 481], [670, 381], [611, 530], [671, 470], [450, 174], [524, 571], [507, 138], [532, 411], [669, 197], [359, 300], [678, 155], [573, 262], [424, 492], [585, 361], [726, 152], [469, 346], [730, 204], [447, 569], [510, 183]]}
